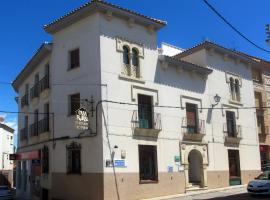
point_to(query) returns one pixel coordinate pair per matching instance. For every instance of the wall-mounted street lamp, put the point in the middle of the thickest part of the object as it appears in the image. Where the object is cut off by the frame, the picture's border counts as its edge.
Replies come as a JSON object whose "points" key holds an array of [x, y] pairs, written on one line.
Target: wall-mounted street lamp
{"points": [[217, 100]]}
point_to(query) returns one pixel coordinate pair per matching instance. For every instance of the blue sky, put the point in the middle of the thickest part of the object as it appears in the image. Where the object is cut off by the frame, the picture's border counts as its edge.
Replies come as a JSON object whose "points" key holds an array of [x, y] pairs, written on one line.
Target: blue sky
{"points": [[189, 22]]}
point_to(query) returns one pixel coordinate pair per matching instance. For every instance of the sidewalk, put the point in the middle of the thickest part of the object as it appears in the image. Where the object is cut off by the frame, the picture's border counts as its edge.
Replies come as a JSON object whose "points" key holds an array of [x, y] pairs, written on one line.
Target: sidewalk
{"points": [[205, 194]]}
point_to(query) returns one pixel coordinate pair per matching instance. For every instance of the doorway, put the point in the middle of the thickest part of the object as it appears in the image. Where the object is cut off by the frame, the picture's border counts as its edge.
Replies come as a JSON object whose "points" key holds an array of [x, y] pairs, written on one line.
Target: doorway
{"points": [[195, 168]]}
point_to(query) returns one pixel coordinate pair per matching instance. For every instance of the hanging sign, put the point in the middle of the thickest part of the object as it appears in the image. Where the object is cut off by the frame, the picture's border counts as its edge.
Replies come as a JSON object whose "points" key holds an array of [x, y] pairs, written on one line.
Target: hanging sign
{"points": [[82, 120]]}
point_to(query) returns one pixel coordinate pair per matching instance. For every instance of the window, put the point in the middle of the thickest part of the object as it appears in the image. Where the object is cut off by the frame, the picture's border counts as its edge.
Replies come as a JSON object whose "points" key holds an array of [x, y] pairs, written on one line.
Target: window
{"points": [[231, 124], [36, 78], [26, 89], [257, 75], [192, 118], [74, 100], [145, 111], [126, 55], [74, 58], [235, 89], [46, 117], [74, 158], [135, 57], [148, 163], [45, 160]]}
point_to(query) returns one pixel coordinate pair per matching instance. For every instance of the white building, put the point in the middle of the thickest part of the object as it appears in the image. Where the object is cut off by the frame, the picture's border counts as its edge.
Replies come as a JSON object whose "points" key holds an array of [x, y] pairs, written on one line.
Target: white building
{"points": [[6, 148], [170, 119]]}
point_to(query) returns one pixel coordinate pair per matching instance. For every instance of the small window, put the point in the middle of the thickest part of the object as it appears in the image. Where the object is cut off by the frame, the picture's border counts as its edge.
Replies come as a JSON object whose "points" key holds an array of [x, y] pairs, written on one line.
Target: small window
{"points": [[126, 55], [45, 160], [237, 89], [135, 57], [74, 158], [74, 103], [74, 57], [148, 163], [232, 85], [257, 75]]}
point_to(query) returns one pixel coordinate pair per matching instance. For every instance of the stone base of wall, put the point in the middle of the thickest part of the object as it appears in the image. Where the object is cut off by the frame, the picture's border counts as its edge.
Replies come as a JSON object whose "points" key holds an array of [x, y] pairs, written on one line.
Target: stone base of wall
{"points": [[83, 187], [217, 179], [129, 186], [249, 175]]}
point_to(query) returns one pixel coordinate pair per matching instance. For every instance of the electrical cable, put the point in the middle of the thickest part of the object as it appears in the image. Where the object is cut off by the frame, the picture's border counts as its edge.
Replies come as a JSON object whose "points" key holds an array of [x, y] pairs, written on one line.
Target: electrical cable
{"points": [[233, 27]]}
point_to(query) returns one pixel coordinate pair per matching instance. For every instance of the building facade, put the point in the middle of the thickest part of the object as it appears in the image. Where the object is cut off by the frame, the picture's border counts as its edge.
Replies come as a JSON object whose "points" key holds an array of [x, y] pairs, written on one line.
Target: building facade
{"points": [[6, 148], [160, 121]]}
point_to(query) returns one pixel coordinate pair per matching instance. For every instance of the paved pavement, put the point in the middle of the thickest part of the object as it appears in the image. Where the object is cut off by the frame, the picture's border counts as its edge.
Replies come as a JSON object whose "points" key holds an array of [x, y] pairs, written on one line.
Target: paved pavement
{"points": [[231, 194]]}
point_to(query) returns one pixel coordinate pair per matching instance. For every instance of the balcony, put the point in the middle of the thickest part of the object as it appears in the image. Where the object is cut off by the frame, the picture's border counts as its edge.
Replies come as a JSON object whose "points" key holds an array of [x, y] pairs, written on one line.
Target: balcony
{"points": [[44, 84], [193, 131], [146, 123], [34, 129], [34, 91], [232, 134], [43, 125], [24, 101], [24, 134]]}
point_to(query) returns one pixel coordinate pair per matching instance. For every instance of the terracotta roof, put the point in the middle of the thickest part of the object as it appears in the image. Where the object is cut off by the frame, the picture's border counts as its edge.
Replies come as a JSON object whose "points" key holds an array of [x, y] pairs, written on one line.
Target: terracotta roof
{"points": [[186, 65], [40, 54], [100, 5], [209, 45]]}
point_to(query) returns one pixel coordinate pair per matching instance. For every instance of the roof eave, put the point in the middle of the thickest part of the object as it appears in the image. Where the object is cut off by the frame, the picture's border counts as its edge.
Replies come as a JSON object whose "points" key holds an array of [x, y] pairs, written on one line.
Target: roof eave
{"points": [[97, 6], [43, 51], [186, 65]]}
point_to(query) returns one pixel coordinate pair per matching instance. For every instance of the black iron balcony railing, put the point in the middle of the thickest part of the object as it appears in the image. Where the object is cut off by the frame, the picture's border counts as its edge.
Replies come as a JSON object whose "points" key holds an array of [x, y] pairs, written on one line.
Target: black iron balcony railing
{"points": [[34, 129], [193, 129], [43, 125], [232, 133], [24, 134], [34, 91], [24, 100], [146, 120], [44, 83]]}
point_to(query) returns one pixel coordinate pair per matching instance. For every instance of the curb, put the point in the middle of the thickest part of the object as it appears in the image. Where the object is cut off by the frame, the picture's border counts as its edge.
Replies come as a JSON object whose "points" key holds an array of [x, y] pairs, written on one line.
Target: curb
{"points": [[198, 192]]}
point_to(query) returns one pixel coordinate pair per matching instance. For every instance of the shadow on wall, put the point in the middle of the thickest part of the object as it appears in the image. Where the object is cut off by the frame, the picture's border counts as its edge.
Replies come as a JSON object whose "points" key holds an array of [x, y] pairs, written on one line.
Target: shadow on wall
{"points": [[184, 80]]}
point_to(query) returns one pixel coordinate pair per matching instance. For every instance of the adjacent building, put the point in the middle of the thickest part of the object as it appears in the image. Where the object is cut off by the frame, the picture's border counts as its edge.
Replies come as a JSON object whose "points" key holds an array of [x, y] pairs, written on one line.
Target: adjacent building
{"points": [[161, 121], [6, 148]]}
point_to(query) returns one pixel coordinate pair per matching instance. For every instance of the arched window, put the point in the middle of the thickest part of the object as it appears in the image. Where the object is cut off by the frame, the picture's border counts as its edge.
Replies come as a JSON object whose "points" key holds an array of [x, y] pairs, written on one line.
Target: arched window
{"points": [[232, 85], [135, 57], [237, 89], [125, 55]]}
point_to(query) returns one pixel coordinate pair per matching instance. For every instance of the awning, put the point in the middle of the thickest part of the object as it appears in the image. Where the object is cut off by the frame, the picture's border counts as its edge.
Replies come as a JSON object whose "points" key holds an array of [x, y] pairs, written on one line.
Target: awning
{"points": [[264, 148], [30, 155]]}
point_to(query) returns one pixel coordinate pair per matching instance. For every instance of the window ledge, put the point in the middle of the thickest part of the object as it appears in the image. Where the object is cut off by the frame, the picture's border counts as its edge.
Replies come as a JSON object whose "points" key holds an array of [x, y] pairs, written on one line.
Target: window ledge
{"points": [[236, 102], [148, 181], [131, 79]]}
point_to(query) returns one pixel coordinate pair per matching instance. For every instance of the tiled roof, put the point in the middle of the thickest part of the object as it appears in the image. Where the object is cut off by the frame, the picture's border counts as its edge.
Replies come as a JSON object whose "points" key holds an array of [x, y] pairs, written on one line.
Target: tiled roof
{"points": [[186, 65], [97, 5], [208, 45], [41, 52]]}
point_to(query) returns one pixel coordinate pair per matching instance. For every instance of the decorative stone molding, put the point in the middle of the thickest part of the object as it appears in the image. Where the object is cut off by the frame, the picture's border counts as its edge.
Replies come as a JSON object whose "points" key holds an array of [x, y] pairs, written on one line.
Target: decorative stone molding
{"points": [[121, 42], [182, 101], [109, 15], [131, 22], [135, 90]]}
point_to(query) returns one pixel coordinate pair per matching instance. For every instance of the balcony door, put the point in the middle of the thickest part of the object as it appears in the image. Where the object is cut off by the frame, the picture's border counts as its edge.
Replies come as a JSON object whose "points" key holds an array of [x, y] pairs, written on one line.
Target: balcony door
{"points": [[231, 124], [192, 118], [145, 111]]}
